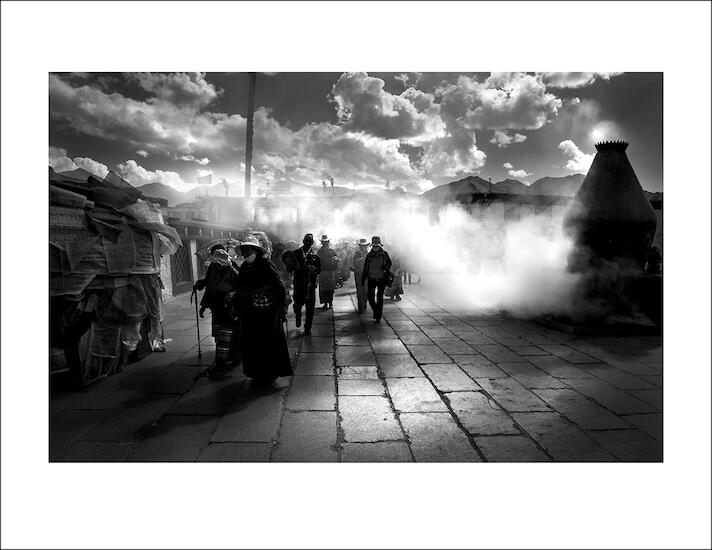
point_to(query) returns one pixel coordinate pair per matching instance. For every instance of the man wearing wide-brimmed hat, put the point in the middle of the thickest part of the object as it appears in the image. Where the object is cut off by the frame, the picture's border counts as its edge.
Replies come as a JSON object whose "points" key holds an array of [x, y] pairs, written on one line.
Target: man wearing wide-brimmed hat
{"points": [[327, 278], [376, 274], [359, 259]]}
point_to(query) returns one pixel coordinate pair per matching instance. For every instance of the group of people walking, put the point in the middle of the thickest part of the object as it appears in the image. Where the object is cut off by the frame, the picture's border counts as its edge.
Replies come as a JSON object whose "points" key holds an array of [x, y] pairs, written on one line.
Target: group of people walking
{"points": [[249, 302]]}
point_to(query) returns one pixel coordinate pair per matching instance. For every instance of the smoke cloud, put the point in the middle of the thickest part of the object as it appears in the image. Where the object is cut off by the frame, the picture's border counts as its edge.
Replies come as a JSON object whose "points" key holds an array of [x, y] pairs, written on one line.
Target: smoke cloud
{"points": [[474, 257]]}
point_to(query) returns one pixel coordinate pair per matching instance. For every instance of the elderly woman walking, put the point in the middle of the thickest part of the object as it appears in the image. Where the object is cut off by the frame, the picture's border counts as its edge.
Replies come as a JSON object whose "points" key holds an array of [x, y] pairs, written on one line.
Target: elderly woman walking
{"points": [[261, 304], [219, 283]]}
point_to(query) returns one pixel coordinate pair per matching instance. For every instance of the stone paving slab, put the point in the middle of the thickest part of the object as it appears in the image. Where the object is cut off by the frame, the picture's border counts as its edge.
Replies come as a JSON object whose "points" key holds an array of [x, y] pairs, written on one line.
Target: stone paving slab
{"points": [[511, 395], [175, 438], [477, 371], [630, 445], [359, 372], [616, 377], [428, 354], [581, 410], [354, 355], [379, 331], [312, 393], [530, 376], [236, 452], [653, 397], [314, 364], [449, 377], [307, 436], [562, 439], [381, 451], [558, 367], [95, 451], [651, 424], [211, 397], [568, 354], [435, 437], [388, 346], [368, 419], [613, 399], [498, 353], [66, 426], [453, 346], [352, 339], [414, 338], [399, 366], [318, 344], [479, 415], [361, 387], [254, 418], [510, 448], [132, 421], [414, 395]]}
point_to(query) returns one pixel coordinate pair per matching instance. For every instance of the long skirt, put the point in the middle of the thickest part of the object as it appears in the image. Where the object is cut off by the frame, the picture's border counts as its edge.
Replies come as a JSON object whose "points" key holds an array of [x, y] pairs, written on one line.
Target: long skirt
{"points": [[265, 356], [327, 284], [226, 332]]}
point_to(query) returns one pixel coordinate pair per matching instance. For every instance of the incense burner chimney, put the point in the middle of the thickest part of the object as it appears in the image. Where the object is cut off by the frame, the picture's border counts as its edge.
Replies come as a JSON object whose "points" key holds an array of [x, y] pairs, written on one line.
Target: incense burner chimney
{"points": [[610, 220]]}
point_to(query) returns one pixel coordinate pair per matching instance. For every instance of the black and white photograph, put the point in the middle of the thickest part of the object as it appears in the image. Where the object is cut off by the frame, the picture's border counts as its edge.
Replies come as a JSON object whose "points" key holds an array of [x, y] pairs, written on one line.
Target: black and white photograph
{"points": [[390, 267], [311, 263]]}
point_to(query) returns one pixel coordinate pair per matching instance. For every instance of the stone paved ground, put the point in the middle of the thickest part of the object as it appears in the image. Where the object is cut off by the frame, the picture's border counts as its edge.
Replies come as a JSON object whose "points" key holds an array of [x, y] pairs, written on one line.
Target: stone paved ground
{"points": [[432, 383]]}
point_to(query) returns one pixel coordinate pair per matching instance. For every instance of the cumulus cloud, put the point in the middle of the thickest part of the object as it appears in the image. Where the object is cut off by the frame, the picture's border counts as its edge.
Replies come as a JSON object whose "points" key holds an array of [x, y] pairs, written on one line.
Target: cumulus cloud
{"points": [[191, 158], [60, 162], [177, 88], [364, 105], [575, 80], [142, 153], [503, 140], [137, 175], [578, 160], [515, 173], [519, 173], [90, 165], [503, 101]]}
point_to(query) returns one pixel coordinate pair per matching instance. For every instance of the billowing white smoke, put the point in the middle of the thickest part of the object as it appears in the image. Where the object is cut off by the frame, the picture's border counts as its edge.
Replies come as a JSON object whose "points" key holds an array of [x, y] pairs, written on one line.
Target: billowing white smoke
{"points": [[476, 259]]}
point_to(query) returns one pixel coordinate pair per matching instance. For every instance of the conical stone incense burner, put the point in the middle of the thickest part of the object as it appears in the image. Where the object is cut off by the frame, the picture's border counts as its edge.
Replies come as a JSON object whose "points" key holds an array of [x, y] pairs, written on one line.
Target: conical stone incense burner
{"points": [[610, 219]]}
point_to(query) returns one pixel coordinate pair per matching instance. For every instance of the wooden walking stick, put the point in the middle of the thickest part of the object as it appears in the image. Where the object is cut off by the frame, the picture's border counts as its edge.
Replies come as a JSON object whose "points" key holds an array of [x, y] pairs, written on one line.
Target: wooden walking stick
{"points": [[197, 320]]}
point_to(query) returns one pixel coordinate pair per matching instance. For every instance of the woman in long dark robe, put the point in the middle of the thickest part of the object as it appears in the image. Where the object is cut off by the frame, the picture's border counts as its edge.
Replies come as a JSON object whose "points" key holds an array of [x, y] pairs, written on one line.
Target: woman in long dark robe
{"points": [[261, 304]]}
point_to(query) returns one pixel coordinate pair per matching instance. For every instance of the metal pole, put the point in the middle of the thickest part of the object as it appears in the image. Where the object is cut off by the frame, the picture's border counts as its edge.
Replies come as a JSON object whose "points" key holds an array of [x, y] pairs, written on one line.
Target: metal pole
{"points": [[250, 131]]}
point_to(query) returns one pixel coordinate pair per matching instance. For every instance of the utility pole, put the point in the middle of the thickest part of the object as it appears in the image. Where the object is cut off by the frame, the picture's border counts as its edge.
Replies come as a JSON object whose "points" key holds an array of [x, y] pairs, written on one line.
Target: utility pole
{"points": [[248, 137]]}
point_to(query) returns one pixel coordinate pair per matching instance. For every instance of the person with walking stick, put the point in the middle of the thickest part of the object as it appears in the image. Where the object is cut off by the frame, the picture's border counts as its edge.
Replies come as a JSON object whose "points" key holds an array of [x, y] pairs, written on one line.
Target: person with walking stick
{"points": [[219, 282]]}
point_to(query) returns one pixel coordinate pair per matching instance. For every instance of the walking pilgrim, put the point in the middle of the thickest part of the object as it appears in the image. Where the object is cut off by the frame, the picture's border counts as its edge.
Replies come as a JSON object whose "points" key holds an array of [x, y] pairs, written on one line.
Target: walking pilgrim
{"points": [[357, 267], [261, 302], [327, 278], [376, 275]]}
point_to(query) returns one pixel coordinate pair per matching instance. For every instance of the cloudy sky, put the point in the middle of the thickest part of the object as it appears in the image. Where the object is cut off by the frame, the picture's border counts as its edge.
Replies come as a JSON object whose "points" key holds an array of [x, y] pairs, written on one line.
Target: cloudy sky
{"points": [[412, 129]]}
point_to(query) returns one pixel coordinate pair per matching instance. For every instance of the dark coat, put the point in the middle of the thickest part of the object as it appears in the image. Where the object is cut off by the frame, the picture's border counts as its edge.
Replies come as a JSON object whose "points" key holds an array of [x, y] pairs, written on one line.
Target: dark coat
{"points": [[302, 277], [377, 265], [263, 343], [218, 282]]}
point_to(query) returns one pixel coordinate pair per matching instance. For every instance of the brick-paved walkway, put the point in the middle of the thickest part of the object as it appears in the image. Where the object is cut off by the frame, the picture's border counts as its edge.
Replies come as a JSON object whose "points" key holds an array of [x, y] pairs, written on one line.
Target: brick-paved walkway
{"points": [[431, 383]]}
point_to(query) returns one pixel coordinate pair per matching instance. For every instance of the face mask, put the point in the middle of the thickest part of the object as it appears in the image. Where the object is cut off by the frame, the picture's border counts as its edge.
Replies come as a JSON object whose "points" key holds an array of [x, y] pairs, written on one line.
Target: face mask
{"points": [[251, 258]]}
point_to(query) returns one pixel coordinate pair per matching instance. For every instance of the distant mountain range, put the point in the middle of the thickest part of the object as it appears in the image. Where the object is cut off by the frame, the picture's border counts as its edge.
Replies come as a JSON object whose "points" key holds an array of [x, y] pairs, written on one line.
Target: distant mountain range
{"points": [[565, 186], [562, 186]]}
